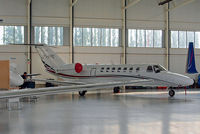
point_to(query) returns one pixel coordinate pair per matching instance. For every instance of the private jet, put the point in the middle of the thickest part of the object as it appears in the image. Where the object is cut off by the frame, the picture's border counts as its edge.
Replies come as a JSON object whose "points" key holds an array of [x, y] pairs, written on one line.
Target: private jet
{"points": [[83, 77], [136, 74]]}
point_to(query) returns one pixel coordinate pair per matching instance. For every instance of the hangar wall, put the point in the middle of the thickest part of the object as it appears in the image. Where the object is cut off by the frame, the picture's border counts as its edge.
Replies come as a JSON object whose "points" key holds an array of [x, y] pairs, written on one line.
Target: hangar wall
{"points": [[101, 13]]}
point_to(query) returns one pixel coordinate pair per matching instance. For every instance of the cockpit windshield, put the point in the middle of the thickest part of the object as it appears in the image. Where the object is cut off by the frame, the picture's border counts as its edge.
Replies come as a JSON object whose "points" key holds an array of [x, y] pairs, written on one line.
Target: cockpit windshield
{"points": [[158, 68]]}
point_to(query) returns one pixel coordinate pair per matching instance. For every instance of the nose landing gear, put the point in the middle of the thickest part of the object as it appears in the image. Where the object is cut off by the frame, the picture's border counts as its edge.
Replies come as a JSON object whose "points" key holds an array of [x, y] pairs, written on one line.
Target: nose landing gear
{"points": [[82, 93]]}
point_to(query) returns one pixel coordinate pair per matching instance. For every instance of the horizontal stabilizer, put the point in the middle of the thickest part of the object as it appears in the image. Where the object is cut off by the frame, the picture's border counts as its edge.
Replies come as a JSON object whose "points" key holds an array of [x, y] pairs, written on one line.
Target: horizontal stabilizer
{"points": [[30, 75]]}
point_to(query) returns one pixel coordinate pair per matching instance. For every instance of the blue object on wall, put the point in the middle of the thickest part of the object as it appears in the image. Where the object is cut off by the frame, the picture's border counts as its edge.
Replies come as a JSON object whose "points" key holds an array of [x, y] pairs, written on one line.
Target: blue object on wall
{"points": [[191, 68]]}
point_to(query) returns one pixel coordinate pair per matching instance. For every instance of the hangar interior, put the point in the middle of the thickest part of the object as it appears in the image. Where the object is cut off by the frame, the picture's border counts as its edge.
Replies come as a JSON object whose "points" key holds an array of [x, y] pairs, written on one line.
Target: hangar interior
{"points": [[100, 32], [101, 29]]}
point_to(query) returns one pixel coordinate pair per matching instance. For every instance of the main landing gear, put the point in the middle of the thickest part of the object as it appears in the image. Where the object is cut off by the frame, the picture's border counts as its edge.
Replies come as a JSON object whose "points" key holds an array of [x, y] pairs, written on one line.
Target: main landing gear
{"points": [[82, 93], [171, 92], [116, 90]]}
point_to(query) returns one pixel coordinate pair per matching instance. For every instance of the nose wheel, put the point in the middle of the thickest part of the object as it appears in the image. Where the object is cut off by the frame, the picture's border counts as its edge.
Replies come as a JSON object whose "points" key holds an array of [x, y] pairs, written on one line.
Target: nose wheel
{"points": [[82, 93], [171, 93]]}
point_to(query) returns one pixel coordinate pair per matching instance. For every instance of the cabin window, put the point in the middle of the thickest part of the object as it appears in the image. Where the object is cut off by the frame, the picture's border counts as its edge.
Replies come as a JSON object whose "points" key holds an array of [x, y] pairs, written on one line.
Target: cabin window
{"points": [[125, 69], [149, 69], [119, 69], [102, 69], [113, 69], [130, 69], [137, 69], [107, 69]]}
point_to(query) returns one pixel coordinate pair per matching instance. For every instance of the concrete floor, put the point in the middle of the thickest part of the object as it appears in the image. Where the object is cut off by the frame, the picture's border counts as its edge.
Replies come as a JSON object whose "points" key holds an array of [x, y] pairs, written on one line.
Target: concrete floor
{"points": [[106, 113]]}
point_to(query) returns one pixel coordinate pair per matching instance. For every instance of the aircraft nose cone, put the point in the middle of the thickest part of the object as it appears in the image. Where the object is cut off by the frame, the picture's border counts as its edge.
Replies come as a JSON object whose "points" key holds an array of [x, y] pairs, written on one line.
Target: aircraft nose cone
{"points": [[188, 81]]}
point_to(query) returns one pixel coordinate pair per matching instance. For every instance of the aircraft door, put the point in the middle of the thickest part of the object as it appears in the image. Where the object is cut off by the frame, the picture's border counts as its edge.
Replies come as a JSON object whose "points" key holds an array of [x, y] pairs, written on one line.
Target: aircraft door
{"points": [[93, 72]]}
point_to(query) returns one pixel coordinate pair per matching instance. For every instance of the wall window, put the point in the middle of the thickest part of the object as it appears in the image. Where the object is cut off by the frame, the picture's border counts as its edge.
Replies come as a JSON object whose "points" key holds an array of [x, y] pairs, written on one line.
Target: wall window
{"points": [[49, 35], [157, 38], [132, 38], [190, 37], [11, 35], [140, 38], [144, 38], [197, 39], [174, 39], [181, 39], [149, 38], [114, 37], [78, 36], [96, 37], [96, 34], [87, 39]]}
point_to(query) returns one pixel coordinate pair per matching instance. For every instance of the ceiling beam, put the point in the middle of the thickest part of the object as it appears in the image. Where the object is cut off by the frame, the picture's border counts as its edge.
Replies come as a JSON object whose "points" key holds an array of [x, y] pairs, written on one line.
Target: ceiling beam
{"points": [[133, 2], [74, 3], [164, 2], [181, 4]]}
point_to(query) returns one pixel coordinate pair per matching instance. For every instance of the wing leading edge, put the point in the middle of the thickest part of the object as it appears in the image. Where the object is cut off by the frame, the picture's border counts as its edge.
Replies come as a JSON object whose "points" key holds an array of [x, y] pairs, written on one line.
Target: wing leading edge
{"points": [[61, 89]]}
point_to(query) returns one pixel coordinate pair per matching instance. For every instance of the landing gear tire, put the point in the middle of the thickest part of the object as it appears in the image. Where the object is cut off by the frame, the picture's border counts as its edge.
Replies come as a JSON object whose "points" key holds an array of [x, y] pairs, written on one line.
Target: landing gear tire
{"points": [[116, 90], [171, 93], [82, 93]]}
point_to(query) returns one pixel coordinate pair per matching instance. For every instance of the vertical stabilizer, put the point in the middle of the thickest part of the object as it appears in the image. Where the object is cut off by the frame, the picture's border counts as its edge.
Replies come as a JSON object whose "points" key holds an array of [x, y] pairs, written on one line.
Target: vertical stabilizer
{"points": [[190, 67], [49, 58]]}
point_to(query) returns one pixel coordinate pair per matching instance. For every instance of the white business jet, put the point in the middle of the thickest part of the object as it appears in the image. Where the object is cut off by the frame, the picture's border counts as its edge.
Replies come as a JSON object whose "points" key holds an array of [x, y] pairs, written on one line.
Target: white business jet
{"points": [[92, 77], [103, 76]]}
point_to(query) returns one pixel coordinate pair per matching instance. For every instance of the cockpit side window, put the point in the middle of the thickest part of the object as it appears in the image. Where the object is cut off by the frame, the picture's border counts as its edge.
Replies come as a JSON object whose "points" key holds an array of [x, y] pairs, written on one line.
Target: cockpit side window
{"points": [[158, 68], [149, 69]]}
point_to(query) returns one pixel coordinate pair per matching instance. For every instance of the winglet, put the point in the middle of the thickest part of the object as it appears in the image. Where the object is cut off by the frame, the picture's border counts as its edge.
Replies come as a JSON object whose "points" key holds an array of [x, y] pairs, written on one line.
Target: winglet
{"points": [[190, 67]]}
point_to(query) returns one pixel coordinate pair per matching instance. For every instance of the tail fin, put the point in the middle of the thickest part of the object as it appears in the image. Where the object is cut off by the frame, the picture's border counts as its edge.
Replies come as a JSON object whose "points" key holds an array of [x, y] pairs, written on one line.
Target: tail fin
{"points": [[49, 58], [191, 68]]}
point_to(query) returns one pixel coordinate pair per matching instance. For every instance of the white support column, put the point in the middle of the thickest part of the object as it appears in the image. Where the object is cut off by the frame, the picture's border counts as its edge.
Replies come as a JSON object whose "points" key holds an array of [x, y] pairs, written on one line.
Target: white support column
{"points": [[71, 51], [28, 33], [123, 56], [71, 34], [167, 35], [124, 34]]}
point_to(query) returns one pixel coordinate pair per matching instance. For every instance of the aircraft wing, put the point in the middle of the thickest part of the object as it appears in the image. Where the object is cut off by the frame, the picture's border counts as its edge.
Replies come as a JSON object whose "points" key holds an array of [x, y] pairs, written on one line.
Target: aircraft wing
{"points": [[61, 89], [63, 83]]}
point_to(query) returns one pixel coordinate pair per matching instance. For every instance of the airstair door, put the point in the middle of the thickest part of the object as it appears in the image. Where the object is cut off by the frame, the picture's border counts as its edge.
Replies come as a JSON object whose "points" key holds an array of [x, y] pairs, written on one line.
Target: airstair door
{"points": [[93, 72]]}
